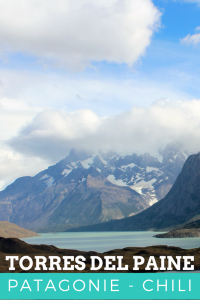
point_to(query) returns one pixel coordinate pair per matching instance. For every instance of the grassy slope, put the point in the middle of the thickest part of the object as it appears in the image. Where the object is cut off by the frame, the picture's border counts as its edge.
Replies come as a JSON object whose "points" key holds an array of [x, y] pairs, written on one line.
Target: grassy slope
{"points": [[12, 230]]}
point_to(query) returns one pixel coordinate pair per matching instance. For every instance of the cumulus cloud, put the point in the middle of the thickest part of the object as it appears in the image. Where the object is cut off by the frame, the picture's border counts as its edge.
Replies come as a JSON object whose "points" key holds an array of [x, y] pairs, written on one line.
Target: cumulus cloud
{"points": [[78, 32], [52, 134]]}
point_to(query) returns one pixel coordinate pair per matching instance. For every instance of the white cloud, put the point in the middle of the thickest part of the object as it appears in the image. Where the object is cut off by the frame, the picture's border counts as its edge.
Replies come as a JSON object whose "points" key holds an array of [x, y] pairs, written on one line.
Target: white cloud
{"points": [[193, 39], [14, 165], [36, 91], [78, 32], [13, 114], [52, 134]]}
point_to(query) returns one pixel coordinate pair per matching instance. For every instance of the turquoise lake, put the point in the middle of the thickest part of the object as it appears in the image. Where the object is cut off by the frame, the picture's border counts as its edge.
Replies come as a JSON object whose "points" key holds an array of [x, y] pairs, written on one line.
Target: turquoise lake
{"points": [[104, 241]]}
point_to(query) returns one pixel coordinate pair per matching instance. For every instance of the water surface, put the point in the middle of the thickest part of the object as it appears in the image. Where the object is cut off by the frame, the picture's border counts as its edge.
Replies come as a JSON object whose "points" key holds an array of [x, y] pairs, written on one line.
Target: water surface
{"points": [[104, 241]]}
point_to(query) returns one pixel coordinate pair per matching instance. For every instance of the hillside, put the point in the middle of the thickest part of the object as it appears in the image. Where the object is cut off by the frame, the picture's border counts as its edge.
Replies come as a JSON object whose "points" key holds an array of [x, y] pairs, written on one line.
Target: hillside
{"points": [[191, 229], [180, 233], [20, 248], [10, 230]]}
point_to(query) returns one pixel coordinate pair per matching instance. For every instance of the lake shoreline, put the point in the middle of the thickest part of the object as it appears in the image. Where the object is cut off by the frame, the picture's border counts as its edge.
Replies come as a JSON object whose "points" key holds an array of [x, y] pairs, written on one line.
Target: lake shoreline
{"points": [[127, 256], [105, 241]]}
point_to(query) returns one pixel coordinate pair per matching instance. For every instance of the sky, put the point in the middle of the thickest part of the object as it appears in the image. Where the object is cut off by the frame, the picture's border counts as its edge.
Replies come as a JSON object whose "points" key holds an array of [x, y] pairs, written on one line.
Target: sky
{"points": [[120, 75]]}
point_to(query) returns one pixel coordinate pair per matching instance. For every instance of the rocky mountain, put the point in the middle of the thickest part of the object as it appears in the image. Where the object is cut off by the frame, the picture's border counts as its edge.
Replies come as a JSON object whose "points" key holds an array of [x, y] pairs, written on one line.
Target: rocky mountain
{"points": [[191, 229], [180, 206], [87, 188], [179, 233]]}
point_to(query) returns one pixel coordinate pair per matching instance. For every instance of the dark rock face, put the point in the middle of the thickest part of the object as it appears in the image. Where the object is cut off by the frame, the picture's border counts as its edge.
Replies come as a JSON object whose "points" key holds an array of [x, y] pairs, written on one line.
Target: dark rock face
{"points": [[180, 233], [180, 205], [86, 188], [191, 229]]}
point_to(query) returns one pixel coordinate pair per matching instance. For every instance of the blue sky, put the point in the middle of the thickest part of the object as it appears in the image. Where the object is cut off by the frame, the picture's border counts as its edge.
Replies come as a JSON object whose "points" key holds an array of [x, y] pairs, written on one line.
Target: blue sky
{"points": [[167, 54], [178, 19], [165, 62], [120, 75]]}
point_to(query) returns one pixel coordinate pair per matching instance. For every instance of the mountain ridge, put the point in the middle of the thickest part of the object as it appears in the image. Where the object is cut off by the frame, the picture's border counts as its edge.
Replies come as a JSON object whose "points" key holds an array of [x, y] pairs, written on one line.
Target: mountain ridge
{"points": [[180, 205]]}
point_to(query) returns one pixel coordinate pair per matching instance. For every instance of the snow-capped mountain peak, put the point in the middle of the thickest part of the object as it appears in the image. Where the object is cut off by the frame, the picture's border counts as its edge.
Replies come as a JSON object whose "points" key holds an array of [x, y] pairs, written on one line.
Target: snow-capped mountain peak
{"points": [[145, 174]]}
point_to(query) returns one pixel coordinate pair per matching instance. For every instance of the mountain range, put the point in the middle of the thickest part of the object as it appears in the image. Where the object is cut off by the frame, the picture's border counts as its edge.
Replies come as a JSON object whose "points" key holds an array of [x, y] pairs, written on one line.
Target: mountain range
{"points": [[89, 188], [180, 206]]}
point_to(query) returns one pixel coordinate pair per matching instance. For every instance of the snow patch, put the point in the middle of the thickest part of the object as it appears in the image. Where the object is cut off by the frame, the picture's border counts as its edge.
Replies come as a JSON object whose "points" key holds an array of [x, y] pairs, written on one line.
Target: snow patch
{"points": [[112, 169], [144, 184], [83, 179], [119, 182], [150, 169], [138, 178], [66, 172], [159, 157], [132, 165], [116, 156], [74, 165], [87, 162], [184, 154], [103, 160], [49, 182], [45, 177], [138, 189], [153, 201]]}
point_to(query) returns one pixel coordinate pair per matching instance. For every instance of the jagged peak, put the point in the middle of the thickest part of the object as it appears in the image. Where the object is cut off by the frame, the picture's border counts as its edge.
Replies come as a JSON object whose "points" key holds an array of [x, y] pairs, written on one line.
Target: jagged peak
{"points": [[79, 155]]}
